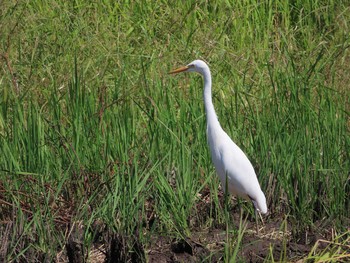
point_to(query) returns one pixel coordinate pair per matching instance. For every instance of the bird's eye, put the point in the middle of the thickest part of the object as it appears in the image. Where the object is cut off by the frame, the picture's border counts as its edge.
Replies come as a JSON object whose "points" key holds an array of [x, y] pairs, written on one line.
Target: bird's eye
{"points": [[191, 66]]}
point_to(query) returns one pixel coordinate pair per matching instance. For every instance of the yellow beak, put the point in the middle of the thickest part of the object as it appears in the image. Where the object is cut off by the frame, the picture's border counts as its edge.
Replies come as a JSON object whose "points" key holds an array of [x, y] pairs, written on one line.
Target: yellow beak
{"points": [[182, 69]]}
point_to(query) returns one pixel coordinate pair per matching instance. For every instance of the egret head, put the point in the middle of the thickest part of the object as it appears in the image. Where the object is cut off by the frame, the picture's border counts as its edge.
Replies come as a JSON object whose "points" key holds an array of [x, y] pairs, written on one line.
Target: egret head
{"points": [[195, 66]]}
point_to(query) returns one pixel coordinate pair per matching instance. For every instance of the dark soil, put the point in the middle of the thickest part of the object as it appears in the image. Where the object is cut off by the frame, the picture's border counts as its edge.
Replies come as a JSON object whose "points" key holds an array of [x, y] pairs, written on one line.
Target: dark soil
{"points": [[274, 241], [209, 246], [203, 246]]}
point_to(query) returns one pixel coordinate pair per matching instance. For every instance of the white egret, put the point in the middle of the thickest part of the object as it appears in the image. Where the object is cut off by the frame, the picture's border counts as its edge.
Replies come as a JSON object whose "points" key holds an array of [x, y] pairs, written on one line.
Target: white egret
{"points": [[231, 164]]}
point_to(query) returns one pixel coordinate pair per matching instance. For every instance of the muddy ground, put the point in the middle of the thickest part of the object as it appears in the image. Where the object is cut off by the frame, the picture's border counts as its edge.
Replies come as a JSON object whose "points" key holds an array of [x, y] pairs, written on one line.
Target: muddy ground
{"points": [[274, 240], [204, 245]]}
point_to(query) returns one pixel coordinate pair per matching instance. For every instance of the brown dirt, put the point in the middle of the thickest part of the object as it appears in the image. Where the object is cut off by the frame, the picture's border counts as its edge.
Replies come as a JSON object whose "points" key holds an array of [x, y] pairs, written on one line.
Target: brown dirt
{"points": [[274, 241], [207, 245]]}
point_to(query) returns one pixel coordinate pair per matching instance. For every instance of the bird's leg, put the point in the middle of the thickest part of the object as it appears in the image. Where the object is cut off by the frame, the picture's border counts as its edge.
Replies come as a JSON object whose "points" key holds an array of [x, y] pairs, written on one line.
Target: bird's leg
{"points": [[226, 194], [240, 206], [256, 222], [226, 200]]}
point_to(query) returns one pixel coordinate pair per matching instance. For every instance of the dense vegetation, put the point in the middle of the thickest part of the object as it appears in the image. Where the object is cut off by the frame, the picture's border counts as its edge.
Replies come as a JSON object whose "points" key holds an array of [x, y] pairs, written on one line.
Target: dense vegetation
{"points": [[93, 132]]}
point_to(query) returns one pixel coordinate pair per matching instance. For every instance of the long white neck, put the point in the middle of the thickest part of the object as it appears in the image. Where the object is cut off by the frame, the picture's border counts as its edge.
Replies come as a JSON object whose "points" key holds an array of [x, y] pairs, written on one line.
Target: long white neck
{"points": [[212, 119]]}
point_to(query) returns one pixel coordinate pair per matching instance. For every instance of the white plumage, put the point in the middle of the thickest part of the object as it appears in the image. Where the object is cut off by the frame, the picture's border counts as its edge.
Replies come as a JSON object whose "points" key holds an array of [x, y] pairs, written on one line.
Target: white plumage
{"points": [[229, 160]]}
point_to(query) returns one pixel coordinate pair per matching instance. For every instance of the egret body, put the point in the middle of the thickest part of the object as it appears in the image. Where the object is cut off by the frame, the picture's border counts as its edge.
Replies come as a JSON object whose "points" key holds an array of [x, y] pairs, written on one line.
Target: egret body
{"points": [[231, 164]]}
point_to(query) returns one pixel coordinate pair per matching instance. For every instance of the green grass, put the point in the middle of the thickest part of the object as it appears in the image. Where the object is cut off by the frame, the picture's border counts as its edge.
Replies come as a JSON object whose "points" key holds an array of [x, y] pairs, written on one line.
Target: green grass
{"points": [[93, 129]]}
